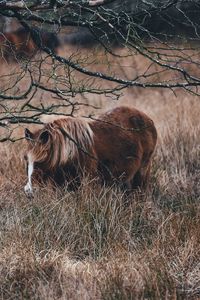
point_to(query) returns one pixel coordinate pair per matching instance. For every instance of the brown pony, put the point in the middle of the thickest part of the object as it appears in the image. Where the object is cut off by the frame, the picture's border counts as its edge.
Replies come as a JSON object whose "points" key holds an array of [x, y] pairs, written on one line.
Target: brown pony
{"points": [[19, 43], [118, 146]]}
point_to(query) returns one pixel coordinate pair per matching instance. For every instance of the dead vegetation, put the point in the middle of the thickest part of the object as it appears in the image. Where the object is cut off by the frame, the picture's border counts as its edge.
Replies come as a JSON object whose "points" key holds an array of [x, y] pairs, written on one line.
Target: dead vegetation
{"points": [[97, 243]]}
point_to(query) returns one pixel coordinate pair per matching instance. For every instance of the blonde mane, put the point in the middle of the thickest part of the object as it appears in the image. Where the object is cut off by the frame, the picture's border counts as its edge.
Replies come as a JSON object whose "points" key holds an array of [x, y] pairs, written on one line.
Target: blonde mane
{"points": [[70, 137]]}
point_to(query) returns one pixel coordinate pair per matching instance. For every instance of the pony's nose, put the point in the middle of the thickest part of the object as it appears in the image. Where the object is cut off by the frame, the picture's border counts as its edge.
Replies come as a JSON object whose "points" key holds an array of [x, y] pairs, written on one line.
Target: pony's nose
{"points": [[28, 190]]}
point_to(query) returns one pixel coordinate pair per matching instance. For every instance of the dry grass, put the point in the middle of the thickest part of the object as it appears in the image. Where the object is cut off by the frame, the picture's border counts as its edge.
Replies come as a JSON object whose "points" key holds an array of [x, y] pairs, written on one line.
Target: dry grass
{"points": [[98, 244]]}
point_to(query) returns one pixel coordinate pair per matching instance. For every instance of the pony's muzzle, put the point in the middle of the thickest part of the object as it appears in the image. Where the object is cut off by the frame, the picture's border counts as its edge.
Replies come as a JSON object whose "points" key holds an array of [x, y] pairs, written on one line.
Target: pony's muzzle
{"points": [[28, 190]]}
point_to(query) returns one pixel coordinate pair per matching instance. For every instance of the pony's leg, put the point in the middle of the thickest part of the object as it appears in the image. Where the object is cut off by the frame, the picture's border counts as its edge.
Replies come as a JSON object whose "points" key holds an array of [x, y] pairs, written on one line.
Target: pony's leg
{"points": [[89, 170], [125, 186], [146, 176], [141, 178], [132, 168], [137, 180]]}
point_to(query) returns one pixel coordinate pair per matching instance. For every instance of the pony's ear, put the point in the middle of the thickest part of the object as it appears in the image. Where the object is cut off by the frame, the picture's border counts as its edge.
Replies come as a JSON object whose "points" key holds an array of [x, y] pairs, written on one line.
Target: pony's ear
{"points": [[28, 134], [44, 136]]}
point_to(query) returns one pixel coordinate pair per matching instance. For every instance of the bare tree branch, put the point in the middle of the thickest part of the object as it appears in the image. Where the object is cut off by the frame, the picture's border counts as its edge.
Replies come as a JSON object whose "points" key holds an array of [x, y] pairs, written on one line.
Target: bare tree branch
{"points": [[164, 34]]}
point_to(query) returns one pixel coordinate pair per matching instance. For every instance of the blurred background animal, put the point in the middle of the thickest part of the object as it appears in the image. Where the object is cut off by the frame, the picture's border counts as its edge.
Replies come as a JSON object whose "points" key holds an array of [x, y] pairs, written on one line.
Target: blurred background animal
{"points": [[20, 43]]}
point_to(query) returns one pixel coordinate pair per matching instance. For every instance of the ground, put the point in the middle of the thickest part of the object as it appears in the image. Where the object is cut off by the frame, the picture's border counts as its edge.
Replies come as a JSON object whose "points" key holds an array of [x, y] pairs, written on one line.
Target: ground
{"points": [[98, 244]]}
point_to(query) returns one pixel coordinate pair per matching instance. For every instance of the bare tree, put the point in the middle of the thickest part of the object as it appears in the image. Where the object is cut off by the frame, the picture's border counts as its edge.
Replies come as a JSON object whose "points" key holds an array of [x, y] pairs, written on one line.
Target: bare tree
{"points": [[165, 33]]}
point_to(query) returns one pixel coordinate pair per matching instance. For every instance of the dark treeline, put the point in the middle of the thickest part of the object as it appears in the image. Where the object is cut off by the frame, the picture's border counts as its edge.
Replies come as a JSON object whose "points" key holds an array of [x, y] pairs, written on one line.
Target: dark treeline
{"points": [[132, 21], [116, 22]]}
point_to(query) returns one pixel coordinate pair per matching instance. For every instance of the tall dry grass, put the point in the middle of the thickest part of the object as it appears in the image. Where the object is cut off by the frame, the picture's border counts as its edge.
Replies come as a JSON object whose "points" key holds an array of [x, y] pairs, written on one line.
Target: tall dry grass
{"points": [[97, 243]]}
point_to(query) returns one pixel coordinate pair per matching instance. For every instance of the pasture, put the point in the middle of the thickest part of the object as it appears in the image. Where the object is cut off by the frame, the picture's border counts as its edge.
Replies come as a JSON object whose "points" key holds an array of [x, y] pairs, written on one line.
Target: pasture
{"points": [[97, 243]]}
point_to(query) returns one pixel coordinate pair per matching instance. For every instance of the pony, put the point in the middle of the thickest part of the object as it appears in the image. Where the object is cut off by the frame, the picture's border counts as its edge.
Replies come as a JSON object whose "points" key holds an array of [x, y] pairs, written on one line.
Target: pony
{"points": [[20, 43], [115, 147]]}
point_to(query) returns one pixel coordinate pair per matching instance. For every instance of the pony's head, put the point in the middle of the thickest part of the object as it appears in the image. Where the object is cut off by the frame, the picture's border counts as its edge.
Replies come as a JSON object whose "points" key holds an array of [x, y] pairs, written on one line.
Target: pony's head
{"points": [[53, 146], [37, 154]]}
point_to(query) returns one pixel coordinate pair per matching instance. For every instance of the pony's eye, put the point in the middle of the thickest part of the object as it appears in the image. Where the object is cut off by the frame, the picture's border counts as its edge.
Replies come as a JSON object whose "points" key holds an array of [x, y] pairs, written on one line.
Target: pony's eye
{"points": [[25, 157]]}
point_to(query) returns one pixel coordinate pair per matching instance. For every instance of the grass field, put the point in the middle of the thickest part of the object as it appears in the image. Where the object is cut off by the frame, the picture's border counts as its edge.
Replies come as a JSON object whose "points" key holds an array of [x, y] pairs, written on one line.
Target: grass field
{"points": [[98, 244]]}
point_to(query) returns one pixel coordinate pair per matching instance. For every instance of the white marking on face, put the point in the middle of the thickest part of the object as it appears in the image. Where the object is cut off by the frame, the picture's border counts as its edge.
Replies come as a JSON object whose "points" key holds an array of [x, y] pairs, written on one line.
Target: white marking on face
{"points": [[28, 187]]}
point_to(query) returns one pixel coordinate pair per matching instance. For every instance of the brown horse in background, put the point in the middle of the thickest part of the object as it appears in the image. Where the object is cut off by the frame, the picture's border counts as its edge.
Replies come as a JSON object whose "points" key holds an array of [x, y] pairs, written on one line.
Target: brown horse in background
{"points": [[20, 44], [118, 146]]}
